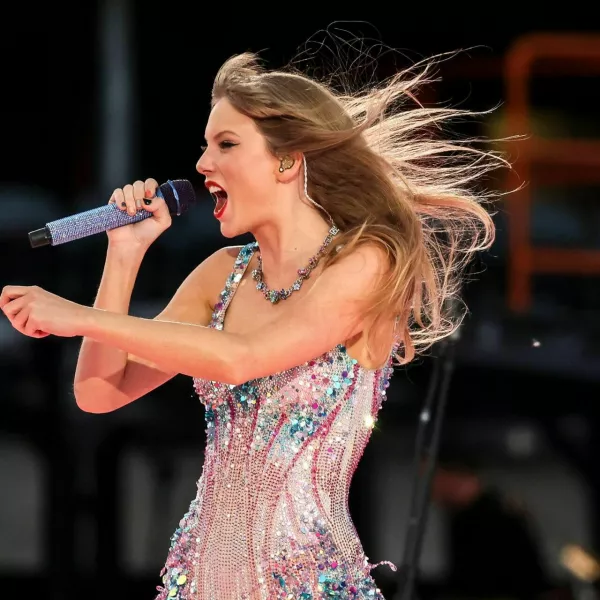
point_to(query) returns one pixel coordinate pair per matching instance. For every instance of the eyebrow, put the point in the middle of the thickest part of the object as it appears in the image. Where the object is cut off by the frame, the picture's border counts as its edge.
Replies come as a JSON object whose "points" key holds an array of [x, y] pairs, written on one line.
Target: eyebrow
{"points": [[226, 131]]}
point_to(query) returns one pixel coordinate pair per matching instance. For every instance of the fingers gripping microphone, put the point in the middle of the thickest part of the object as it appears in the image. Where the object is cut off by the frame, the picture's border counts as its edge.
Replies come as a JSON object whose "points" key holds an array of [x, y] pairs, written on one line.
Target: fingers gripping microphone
{"points": [[179, 196]]}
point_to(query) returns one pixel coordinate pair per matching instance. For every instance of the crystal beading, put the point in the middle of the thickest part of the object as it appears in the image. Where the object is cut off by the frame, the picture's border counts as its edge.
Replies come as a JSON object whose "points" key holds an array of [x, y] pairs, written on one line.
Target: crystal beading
{"points": [[270, 519]]}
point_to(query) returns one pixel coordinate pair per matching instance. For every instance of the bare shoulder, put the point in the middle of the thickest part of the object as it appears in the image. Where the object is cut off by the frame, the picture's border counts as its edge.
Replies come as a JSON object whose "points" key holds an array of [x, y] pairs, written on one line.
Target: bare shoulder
{"points": [[218, 265], [334, 310], [359, 275], [370, 259], [347, 285], [194, 300], [210, 274], [359, 269]]}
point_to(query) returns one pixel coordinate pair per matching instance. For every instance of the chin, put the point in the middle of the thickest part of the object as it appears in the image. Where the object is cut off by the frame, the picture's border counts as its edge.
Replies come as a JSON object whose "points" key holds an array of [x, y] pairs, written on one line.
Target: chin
{"points": [[229, 230]]}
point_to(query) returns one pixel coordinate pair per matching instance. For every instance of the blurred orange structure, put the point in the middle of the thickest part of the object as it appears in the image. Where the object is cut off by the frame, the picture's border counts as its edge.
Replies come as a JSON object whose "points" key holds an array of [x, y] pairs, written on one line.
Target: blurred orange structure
{"points": [[544, 161]]}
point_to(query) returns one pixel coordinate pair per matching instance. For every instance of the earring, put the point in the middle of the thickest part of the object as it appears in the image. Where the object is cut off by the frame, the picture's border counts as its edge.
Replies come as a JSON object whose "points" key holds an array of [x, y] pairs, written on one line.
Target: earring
{"points": [[286, 163]]}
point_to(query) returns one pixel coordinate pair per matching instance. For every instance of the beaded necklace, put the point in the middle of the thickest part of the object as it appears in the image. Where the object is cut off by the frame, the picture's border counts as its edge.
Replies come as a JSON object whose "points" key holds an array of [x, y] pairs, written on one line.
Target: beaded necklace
{"points": [[275, 296]]}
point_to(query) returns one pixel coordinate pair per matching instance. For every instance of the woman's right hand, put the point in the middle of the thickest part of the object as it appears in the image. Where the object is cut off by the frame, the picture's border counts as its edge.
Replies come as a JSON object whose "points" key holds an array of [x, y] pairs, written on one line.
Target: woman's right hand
{"points": [[131, 198]]}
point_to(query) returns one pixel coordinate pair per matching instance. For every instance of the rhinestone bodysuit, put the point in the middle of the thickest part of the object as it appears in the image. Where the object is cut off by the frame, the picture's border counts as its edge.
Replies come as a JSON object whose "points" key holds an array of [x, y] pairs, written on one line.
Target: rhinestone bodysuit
{"points": [[270, 519]]}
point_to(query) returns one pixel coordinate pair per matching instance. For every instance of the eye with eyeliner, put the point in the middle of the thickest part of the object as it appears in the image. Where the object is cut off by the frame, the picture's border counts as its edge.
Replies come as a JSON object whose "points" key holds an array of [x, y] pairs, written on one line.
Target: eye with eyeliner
{"points": [[224, 145]]}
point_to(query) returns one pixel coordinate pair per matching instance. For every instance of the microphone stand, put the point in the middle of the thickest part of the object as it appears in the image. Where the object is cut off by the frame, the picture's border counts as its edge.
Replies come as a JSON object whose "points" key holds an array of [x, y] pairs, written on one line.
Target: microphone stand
{"points": [[426, 450]]}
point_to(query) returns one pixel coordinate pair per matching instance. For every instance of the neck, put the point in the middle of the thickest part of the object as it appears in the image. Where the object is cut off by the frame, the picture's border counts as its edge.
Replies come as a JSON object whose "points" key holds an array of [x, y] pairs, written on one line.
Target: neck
{"points": [[288, 241]]}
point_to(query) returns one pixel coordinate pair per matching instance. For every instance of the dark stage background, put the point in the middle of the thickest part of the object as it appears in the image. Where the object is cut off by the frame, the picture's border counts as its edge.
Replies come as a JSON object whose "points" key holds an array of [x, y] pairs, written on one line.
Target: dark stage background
{"points": [[100, 94]]}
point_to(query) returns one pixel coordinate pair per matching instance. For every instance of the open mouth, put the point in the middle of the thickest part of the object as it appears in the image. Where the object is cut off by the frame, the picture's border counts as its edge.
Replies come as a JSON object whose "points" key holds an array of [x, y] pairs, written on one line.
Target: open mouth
{"points": [[220, 197]]}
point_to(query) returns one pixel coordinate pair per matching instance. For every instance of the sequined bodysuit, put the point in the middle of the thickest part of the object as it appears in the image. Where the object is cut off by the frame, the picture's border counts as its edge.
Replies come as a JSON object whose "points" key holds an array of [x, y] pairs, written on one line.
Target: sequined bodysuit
{"points": [[270, 519]]}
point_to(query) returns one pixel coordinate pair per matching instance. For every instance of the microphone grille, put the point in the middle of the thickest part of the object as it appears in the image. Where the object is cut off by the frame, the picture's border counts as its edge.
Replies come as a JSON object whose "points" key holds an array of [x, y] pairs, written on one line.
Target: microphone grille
{"points": [[179, 195]]}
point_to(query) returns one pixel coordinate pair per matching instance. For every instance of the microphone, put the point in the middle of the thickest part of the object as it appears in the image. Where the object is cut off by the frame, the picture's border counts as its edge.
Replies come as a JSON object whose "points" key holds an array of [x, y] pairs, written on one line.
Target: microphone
{"points": [[179, 195]]}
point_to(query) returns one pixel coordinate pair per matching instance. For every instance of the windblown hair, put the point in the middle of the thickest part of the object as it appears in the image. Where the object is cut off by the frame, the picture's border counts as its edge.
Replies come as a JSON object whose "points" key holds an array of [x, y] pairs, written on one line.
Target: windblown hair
{"points": [[385, 177]]}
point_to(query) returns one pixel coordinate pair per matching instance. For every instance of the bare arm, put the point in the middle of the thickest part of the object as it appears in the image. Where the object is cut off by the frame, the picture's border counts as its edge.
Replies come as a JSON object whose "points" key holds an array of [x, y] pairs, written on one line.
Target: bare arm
{"points": [[100, 367], [330, 313], [108, 377]]}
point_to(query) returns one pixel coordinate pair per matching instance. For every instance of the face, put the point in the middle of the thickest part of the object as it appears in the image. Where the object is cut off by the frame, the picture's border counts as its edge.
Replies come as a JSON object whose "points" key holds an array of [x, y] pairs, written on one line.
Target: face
{"points": [[240, 171]]}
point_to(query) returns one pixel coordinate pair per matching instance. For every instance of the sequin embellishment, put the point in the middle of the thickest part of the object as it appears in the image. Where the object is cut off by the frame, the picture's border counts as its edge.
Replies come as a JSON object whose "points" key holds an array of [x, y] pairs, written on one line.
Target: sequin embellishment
{"points": [[270, 519]]}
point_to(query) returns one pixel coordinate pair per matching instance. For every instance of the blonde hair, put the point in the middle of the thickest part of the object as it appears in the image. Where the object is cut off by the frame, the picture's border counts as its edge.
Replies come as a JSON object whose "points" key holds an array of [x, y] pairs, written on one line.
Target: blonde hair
{"points": [[385, 177]]}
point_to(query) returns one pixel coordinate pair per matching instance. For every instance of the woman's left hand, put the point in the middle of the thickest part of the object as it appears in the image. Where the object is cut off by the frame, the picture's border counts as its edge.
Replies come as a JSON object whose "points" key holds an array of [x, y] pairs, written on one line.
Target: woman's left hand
{"points": [[38, 313]]}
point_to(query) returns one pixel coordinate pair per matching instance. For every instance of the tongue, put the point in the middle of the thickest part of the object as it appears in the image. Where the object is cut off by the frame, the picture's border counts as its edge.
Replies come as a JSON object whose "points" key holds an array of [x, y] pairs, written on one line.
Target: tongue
{"points": [[221, 202]]}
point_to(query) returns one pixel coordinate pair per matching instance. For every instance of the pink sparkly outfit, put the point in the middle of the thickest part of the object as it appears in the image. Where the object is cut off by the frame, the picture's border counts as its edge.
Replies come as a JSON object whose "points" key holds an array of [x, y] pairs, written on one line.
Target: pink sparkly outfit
{"points": [[270, 519]]}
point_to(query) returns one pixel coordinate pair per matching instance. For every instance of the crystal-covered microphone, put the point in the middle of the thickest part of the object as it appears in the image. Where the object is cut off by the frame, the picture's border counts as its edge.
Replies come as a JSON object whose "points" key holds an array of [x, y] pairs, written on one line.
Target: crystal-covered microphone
{"points": [[179, 195]]}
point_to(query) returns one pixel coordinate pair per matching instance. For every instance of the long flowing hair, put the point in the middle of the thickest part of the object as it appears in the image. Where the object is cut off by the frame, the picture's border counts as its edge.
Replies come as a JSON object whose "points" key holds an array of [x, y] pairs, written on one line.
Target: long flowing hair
{"points": [[386, 174]]}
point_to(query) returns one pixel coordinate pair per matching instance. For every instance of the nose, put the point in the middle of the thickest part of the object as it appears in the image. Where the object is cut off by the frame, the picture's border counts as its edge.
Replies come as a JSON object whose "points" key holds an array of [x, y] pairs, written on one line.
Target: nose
{"points": [[204, 164]]}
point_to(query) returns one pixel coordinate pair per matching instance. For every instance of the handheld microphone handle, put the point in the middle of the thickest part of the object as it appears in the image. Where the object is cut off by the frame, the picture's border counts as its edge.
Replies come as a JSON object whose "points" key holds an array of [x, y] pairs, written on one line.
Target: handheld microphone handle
{"points": [[178, 195], [83, 224]]}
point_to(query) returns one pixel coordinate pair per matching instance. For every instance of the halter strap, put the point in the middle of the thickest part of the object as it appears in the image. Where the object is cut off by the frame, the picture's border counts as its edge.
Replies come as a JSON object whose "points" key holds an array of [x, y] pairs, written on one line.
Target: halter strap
{"points": [[239, 268]]}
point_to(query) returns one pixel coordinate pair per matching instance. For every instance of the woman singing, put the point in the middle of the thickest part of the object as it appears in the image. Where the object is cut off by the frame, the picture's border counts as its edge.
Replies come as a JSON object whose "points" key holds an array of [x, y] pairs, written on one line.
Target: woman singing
{"points": [[362, 220]]}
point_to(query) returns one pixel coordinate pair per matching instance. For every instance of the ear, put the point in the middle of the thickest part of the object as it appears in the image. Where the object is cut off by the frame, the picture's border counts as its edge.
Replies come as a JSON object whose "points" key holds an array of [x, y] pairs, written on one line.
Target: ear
{"points": [[288, 167]]}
